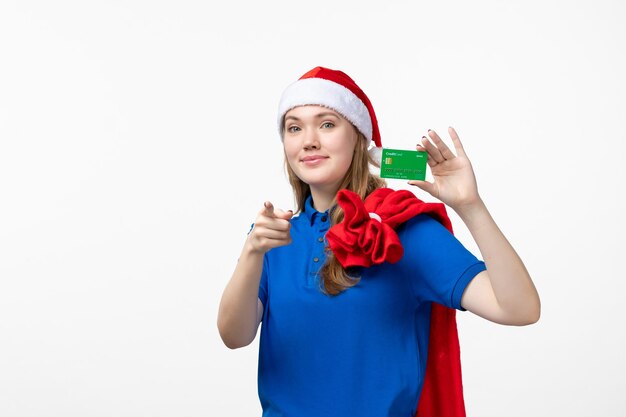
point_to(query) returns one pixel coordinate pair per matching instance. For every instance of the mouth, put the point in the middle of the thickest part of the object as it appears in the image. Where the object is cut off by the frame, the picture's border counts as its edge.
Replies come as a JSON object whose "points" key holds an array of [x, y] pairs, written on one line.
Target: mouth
{"points": [[313, 158]]}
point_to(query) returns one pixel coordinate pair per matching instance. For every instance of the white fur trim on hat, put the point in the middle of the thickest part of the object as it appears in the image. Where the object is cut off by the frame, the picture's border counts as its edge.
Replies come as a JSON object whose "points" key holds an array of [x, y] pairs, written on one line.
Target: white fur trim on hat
{"points": [[329, 94]]}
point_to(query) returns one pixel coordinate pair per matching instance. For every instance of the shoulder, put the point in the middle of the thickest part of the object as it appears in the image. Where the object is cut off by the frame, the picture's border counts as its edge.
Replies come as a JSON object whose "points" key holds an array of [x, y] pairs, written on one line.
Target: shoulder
{"points": [[422, 225], [424, 234], [299, 222]]}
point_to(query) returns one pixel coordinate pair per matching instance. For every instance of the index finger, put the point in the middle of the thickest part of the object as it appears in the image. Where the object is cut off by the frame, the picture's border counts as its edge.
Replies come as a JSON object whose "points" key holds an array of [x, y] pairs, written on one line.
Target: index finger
{"points": [[443, 148], [268, 209]]}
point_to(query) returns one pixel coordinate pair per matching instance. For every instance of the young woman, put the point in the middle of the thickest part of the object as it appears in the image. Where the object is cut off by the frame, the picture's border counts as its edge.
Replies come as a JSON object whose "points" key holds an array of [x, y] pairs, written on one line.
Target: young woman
{"points": [[355, 296]]}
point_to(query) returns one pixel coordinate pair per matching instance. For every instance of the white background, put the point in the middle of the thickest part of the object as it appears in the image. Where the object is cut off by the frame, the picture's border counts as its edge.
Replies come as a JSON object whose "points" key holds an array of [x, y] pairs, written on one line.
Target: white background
{"points": [[138, 142]]}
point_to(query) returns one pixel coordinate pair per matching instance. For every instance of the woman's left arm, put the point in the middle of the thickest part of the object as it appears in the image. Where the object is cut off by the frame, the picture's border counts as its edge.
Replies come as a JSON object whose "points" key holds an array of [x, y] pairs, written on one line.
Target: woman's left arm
{"points": [[504, 293]]}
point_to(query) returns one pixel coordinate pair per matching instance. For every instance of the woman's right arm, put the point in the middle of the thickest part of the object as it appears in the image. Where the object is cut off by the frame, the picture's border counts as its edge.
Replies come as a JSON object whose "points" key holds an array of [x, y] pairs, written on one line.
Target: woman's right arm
{"points": [[240, 309]]}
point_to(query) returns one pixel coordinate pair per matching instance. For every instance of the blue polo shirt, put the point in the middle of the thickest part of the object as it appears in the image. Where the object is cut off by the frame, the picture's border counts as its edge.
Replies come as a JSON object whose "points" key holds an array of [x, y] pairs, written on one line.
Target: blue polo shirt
{"points": [[362, 352]]}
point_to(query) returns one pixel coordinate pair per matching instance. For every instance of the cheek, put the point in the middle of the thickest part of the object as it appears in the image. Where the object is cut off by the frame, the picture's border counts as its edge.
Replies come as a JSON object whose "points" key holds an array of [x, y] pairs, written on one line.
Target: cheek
{"points": [[291, 156], [290, 151], [347, 160], [346, 152], [343, 160]]}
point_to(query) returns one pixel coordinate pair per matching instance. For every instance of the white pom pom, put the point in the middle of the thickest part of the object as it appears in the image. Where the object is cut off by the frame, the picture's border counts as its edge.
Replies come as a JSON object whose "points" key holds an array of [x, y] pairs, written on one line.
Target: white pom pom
{"points": [[376, 153]]}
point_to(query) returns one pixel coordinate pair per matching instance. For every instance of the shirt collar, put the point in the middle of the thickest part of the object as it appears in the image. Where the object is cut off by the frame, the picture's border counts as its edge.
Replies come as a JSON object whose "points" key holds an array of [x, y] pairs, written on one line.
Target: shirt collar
{"points": [[310, 212]]}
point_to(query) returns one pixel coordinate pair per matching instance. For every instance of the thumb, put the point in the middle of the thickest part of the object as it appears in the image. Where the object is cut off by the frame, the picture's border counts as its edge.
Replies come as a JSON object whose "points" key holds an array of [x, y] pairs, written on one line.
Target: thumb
{"points": [[268, 209], [424, 185]]}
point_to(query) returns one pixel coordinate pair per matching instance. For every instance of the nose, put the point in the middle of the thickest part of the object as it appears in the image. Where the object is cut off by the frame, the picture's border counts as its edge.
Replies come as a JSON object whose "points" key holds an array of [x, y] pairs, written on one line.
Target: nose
{"points": [[311, 140]]}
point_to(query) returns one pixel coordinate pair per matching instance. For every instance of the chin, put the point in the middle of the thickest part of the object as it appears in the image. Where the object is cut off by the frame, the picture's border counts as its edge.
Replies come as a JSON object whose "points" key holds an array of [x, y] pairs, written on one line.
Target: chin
{"points": [[318, 179], [322, 184]]}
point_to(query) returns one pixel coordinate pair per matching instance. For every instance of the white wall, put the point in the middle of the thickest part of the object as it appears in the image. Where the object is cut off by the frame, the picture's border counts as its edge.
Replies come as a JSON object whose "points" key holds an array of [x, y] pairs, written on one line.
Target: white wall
{"points": [[138, 142]]}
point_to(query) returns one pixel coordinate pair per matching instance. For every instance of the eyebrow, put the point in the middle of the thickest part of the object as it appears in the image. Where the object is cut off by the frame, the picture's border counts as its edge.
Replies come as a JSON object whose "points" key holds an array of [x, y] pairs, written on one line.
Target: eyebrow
{"points": [[317, 116]]}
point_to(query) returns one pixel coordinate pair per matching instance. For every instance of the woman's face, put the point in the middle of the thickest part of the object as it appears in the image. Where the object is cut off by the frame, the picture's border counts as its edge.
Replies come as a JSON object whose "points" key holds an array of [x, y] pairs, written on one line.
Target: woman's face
{"points": [[319, 144]]}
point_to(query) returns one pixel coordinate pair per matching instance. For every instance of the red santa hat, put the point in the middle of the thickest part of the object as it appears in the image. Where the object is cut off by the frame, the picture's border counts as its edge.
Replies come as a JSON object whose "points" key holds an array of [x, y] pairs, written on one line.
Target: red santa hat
{"points": [[335, 90]]}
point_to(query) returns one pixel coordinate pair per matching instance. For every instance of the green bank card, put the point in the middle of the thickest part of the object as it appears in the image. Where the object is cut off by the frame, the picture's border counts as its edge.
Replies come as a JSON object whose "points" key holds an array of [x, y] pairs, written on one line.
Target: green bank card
{"points": [[403, 165]]}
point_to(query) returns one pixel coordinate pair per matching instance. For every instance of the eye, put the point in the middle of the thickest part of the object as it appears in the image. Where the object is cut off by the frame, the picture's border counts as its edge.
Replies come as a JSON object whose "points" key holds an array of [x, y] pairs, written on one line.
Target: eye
{"points": [[328, 125], [293, 129]]}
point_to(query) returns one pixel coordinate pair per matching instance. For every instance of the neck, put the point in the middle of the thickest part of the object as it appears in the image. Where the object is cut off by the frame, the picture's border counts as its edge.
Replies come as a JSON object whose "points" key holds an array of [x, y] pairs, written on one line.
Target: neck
{"points": [[323, 198]]}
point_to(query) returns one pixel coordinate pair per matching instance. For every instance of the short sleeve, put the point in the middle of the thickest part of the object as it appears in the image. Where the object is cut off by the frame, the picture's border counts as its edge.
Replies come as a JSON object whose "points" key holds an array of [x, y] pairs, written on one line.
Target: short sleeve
{"points": [[437, 266]]}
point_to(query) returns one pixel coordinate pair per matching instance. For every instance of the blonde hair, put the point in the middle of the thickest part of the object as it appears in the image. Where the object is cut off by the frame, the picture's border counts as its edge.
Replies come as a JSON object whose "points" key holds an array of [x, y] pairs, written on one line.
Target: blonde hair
{"points": [[334, 279]]}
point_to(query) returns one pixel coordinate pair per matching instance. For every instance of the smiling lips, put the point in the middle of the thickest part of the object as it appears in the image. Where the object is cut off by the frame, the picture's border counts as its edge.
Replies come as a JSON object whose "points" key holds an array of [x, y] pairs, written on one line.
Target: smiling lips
{"points": [[313, 159]]}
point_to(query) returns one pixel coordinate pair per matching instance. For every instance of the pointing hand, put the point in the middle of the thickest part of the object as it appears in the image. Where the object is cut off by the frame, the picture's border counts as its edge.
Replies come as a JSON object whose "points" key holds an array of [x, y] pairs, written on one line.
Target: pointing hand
{"points": [[271, 229]]}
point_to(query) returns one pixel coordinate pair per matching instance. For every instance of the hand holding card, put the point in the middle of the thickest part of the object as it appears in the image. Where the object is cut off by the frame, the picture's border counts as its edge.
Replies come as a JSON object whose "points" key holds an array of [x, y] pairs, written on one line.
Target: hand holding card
{"points": [[454, 181]]}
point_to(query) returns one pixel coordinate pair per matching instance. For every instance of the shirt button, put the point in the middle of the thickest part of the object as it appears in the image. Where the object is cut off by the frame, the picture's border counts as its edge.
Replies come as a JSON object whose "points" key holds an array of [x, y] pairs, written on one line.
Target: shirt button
{"points": [[324, 218], [320, 239], [316, 259]]}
